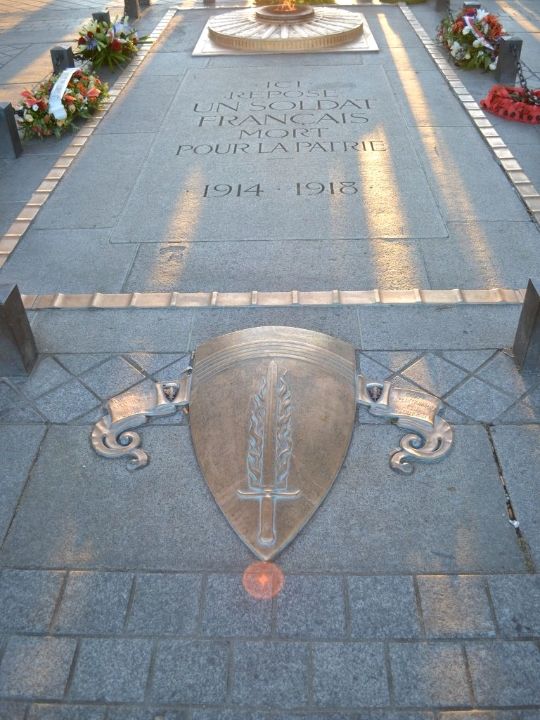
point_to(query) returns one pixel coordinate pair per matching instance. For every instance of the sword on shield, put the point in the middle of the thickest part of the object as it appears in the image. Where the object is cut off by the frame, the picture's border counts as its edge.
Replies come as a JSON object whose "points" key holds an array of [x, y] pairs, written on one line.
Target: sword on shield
{"points": [[269, 450]]}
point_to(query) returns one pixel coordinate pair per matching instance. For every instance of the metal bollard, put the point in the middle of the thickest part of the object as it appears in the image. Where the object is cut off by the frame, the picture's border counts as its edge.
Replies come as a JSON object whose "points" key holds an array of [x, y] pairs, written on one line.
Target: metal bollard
{"points": [[132, 9], [468, 5], [18, 352], [62, 57], [10, 142], [527, 341], [102, 17], [507, 64]]}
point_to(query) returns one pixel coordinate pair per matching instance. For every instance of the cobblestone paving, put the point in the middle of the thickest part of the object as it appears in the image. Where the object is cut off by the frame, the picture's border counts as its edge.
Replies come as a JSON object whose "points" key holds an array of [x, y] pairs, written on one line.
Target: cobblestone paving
{"points": [[133, 644], [475, 385], [79, 640]]}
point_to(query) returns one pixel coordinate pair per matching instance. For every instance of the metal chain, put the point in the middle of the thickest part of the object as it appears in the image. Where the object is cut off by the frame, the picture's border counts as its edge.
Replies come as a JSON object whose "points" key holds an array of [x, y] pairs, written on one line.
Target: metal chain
{"points": [[530, 97]]}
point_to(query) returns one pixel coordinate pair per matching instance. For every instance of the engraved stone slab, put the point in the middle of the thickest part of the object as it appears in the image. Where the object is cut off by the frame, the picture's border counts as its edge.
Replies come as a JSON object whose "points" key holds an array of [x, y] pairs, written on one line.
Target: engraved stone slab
{"points": [[282, 154], [291, 393]]}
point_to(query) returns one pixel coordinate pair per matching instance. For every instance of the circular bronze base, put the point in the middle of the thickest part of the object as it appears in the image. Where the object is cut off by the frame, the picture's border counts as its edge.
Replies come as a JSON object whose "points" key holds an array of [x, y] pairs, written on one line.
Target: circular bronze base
{"points": [[278, 13], [244, 30]]}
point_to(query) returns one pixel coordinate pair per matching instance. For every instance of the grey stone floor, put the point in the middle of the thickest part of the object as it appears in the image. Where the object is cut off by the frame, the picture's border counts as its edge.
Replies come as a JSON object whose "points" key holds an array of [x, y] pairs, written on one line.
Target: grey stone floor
{"points": [[121, 592], [432, 223], [405, 598]]}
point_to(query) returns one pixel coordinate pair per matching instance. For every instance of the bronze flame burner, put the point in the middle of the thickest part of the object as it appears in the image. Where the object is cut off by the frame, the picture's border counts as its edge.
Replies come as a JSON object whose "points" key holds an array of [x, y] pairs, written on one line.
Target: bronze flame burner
{"points": [[285, 13]]}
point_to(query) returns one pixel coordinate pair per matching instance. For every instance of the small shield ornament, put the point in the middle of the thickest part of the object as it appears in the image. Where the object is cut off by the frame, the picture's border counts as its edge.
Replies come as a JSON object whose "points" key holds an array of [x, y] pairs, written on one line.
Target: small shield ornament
{"points": [[272, 412]]}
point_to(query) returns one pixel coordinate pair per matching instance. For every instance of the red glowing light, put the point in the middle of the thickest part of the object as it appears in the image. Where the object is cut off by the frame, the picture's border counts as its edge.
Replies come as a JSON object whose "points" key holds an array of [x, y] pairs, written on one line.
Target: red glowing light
{"points": [[263, 580]]}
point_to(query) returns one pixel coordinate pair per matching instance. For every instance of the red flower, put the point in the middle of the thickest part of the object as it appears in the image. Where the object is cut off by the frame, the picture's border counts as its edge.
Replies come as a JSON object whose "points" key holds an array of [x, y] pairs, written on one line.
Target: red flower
{"points": [[116, 45]]}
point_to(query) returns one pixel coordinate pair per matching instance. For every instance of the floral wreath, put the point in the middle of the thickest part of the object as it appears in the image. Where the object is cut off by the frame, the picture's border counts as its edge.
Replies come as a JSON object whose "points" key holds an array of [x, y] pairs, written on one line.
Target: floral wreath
{"points": [[472, 38]]}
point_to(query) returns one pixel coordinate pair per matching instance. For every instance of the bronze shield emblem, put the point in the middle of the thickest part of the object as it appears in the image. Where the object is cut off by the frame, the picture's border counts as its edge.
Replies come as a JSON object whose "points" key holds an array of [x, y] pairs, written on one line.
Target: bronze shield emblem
{"points": [[272, 412]]}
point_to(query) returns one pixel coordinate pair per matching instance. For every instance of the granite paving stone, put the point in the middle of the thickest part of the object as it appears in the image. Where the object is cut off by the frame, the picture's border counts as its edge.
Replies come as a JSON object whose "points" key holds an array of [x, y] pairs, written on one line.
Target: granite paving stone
{"points": [[17, 458], [19, 178], [77, 260], [270, 674], [476, 254], [45, 711], [454, 417], [479, 400], [269, 265], [113, 331], [28, 599], [468, 359], [46, 375], [427, 101], [103, 200], [12, 711], [111, 377], [349, 675], [311, 607], [20, 414], [152, 362], [450, 327], [522, 412], [516, 599], [502, 372], [421, 524], [66, 402], [78, 363], [518, 450], [342, 323], [434, 374], [371, 369], [446, 154], [93, 603], [429, 674], [165, 604], [382, 607], [111, 670], [173, 370], [143, 109], [70, 517], [139, 713], [8, 395], [319, 714], [36, 667], [190, 671], [455, 606], [483, 715], [229, 610], [394, 361], [505, 673]]}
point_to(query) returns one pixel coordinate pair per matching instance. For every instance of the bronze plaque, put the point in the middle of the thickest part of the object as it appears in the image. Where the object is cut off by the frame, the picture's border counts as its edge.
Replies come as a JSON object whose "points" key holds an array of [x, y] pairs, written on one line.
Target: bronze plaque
{"points": [[272, 412]]}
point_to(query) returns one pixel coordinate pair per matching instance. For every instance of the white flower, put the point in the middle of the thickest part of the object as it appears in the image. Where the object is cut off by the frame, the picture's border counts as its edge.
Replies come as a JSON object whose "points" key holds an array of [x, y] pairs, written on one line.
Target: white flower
{"points": [[466, 30], [481, 14], [468, 56], [35, 108], [493, 65], [477, 43], [28, 117]]}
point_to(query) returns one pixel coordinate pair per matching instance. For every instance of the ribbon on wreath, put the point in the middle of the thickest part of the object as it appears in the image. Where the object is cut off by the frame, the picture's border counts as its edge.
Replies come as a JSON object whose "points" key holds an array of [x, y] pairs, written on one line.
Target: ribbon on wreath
{"points": [[469, 22], [56, 107]]}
